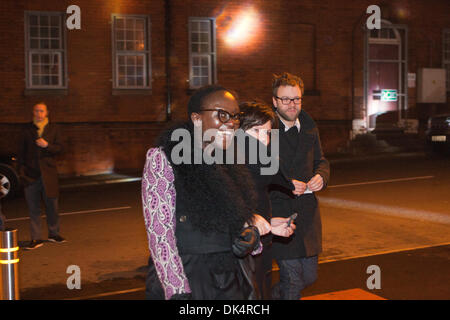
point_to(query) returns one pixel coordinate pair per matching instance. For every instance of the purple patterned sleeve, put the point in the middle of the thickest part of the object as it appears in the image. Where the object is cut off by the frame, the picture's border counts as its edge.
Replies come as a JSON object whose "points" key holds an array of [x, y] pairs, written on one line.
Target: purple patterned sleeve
{"points": [[158, 202]]}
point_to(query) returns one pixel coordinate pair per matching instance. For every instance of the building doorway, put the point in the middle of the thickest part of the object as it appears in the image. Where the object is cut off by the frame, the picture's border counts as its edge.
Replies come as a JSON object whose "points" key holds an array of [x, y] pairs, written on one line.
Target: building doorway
{"points": [[385, 80]]}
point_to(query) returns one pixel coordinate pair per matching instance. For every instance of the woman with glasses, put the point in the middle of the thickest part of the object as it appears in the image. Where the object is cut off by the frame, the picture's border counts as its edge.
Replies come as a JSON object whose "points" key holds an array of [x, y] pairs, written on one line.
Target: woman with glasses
{"points": [[200, 217]]}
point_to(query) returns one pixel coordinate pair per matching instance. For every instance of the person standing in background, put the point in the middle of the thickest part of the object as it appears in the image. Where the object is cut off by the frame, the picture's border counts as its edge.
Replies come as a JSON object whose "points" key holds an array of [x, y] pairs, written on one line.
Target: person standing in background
{"points": [[39, 145]]}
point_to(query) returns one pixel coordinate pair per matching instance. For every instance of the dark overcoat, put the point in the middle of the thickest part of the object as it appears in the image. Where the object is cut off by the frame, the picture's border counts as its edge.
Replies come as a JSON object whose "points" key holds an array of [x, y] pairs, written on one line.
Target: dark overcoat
{"points": [[35, 162], [300, 161]]}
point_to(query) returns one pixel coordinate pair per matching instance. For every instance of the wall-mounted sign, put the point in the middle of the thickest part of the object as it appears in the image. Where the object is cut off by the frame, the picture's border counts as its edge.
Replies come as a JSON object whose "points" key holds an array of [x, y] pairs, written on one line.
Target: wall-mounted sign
{"points": [[411, 80], [389, 95]]}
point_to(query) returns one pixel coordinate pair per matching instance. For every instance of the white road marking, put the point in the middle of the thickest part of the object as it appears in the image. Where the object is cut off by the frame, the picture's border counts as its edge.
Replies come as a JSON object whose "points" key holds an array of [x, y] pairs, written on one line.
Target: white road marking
{"points": [[100, 182], [380, 181], [106, 294], [386, 210], [75, 212], [385, 252]]}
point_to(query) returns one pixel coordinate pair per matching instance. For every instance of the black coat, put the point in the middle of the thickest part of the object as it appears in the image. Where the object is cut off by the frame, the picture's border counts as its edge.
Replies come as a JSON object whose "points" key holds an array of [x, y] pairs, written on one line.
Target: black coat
{"points": [[35, 162], [263, 182], [300, 163]]}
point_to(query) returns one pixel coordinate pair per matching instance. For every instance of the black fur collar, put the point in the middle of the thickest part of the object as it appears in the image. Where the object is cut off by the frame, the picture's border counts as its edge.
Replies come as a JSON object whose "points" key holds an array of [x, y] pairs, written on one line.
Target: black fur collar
{"points": [[216, 197]]}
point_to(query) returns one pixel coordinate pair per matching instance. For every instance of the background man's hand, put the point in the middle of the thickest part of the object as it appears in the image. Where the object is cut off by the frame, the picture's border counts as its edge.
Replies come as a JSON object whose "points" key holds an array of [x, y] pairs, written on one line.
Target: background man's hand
{"points": [[42, 143], [316, 183], [280, 228], [300, 187]]}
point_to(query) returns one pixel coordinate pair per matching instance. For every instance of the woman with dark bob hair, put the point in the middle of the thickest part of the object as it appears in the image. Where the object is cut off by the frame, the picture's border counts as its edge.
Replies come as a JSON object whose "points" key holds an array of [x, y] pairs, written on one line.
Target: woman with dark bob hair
{"points": [[200, 217], [258, 120]]}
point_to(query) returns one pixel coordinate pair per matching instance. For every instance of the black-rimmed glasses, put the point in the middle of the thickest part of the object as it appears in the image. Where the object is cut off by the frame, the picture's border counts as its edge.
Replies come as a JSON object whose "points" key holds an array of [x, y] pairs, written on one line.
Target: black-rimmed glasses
{"points": [[286, 100], [225, 116]]}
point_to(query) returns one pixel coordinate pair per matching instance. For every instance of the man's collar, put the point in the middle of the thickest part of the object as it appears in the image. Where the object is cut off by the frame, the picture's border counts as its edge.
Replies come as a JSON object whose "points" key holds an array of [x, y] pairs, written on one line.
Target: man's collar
{"points": [[286, 127]]}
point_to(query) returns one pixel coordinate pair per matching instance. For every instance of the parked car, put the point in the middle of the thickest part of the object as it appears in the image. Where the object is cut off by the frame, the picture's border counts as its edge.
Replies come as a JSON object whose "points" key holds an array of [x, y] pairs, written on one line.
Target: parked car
{"points": [[9, 178], [438, 134]]}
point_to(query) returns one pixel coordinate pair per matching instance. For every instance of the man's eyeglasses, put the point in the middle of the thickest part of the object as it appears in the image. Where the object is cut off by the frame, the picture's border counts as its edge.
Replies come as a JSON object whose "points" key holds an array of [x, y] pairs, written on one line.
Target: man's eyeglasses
{"points": [[286, 100], [225, 116]]}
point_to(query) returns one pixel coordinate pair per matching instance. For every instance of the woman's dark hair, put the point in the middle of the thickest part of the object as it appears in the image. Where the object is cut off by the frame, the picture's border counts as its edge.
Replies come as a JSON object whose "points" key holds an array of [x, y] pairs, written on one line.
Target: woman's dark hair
{"points": [[195, 103], [256, 113]]}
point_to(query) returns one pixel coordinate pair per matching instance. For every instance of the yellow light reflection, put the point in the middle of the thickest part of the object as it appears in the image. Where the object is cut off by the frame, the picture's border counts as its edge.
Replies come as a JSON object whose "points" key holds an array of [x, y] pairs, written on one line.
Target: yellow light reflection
{"points": [[2, 250], [9, 261], [229, 95]]}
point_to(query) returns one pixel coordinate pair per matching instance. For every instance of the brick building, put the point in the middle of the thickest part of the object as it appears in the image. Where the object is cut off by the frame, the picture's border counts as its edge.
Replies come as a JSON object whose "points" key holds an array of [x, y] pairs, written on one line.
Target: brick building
{"points": [[117, 81]]}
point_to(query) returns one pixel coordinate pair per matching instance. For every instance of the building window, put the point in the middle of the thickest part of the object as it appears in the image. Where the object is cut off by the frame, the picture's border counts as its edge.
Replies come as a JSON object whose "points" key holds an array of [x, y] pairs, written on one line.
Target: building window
{"points": [[446, 54], [131, 52], [202, 52], [382, 34], [45, 50]]}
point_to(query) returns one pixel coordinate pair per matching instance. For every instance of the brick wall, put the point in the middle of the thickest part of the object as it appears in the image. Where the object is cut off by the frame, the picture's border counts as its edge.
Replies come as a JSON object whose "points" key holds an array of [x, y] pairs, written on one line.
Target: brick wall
{"points": [[319, 40]]}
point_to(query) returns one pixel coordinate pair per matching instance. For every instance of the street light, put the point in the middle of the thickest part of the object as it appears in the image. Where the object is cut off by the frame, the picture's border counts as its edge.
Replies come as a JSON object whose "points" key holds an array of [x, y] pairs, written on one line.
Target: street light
{"points": [[243, 29]]}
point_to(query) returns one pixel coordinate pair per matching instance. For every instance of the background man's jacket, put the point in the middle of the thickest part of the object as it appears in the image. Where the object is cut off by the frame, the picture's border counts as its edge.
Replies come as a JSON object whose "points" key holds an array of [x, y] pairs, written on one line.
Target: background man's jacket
{"points": [[35, 162], [301, 158]]}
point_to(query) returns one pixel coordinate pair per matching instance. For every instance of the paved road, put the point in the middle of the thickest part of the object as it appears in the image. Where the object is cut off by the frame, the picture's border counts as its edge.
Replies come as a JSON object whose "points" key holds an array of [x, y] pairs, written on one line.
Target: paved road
{"points": [[370, 208], [418, 274], [375, 206]]}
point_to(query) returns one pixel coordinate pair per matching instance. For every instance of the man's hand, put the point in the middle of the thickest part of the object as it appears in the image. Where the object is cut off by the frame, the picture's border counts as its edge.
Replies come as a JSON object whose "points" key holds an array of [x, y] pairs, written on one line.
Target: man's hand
{"points": [[263, 226], [300, 187], [280, 228], [316, 183], [42, 143]]}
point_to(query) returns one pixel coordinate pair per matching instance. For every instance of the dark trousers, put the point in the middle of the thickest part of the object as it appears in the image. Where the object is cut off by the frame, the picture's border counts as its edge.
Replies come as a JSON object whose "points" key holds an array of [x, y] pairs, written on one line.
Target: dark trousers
{"points": [[33, 195], [296, 275]]}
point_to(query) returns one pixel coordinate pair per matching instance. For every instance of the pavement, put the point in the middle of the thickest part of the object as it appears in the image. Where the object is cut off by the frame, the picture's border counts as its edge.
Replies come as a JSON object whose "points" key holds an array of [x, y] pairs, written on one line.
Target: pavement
{"points": [[415, 274]]}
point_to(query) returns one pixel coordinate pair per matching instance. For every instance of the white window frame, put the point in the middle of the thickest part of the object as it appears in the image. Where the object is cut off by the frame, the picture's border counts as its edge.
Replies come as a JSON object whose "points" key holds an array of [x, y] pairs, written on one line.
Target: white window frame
{"points": [[61, 52], [210, 55], [446, 55], [116, 53]]}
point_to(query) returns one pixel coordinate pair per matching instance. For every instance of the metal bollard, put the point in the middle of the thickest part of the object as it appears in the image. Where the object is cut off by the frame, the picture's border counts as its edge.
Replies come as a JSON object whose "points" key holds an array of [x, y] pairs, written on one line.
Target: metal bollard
{"points": [[9, 258]]}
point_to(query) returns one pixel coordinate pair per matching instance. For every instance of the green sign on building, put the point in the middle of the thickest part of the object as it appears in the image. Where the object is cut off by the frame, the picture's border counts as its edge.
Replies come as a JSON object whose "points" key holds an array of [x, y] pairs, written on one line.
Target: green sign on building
{"points": [[389, 95]]}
